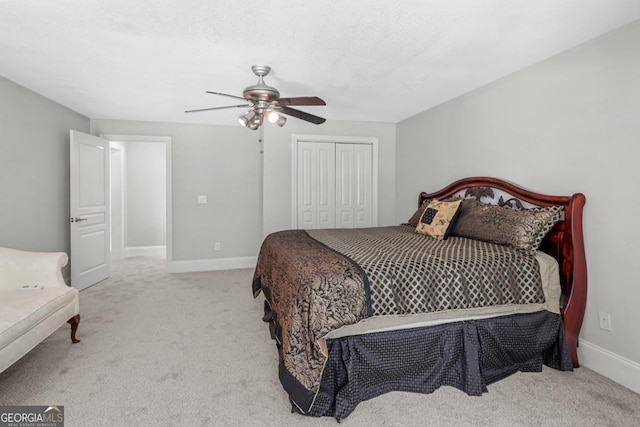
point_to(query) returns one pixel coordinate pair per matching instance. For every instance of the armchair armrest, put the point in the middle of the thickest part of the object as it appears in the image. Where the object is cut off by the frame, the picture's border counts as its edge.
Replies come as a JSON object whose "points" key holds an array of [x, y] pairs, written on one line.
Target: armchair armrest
{"points": [[19, 268]]}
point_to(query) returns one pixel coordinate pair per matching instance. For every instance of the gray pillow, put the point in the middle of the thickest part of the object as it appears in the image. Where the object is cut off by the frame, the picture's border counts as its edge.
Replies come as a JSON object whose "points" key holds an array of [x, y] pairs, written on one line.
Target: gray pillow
{"points": [[415, 218]]}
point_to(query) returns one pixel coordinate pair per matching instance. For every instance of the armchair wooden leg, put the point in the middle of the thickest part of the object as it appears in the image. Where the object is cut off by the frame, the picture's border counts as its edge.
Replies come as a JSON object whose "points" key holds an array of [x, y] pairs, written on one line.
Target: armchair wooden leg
{"points": [[74, 322]]}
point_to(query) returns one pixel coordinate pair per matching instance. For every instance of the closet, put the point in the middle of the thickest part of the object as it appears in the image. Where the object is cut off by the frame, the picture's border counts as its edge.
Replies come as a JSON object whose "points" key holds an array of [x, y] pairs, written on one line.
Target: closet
{"points": [[335, 185]]}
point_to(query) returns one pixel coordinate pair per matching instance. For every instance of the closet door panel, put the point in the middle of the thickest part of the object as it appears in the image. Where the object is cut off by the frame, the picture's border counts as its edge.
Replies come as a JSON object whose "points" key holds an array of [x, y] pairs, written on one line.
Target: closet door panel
{"points": [[316, 185], [306, 181], [345, 206], [362, 185], [325, 186]]}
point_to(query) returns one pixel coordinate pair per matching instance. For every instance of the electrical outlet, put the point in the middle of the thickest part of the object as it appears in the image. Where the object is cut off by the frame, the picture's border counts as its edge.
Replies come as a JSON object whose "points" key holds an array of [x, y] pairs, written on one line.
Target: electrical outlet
{"points": [[605, 320], [216, 246], [202, 199]]}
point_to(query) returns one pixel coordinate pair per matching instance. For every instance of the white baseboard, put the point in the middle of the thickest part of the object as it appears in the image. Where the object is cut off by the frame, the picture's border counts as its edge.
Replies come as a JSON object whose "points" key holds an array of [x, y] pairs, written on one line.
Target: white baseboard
{"points": [[621, 370], [211, 264], [145, 251]]}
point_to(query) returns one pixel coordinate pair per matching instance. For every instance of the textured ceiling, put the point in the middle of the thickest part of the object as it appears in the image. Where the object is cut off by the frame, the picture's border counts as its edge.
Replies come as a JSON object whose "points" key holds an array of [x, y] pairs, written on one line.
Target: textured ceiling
{"points": [[370, 60]]}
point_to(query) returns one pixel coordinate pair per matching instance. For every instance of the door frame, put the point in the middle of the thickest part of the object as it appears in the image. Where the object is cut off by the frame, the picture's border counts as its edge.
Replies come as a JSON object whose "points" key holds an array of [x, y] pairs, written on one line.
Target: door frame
{"points": [[117, 252], [167, 141], [373, 141]]}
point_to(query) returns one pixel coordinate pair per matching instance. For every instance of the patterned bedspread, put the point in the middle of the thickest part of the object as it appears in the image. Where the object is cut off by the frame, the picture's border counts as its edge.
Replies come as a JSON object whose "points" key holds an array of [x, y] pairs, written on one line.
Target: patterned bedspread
{"points": [[316, 281]]}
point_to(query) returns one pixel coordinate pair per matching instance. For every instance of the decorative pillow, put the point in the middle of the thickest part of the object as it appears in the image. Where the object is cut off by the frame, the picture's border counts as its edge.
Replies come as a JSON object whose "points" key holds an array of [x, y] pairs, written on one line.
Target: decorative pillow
{"points": [[521, 229], [415, 218], [438, 218]]}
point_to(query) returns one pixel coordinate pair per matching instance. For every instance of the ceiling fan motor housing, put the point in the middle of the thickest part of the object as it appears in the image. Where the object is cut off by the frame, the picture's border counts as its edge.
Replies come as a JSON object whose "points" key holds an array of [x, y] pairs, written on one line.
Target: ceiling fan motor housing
{"points": [[260, 91]]}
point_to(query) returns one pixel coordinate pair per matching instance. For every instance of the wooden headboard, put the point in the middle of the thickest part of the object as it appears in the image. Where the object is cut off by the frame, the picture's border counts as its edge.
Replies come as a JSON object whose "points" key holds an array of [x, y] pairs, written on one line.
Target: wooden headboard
{"points": [[564, 242]]}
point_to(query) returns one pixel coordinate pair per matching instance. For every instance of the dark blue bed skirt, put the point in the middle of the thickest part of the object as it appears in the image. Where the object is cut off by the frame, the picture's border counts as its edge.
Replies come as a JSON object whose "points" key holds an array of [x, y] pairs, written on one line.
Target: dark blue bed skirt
{"points": [[466, 355]]}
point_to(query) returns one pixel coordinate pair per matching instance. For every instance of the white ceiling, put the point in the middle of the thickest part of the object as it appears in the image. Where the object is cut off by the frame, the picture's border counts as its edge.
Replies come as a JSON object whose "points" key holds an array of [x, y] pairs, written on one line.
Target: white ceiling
{"points": [[371, 60]]}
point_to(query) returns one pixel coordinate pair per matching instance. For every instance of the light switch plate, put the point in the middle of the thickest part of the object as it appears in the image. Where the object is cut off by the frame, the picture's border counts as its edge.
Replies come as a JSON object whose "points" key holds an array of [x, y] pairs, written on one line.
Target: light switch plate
{"points": [[202, 199]]}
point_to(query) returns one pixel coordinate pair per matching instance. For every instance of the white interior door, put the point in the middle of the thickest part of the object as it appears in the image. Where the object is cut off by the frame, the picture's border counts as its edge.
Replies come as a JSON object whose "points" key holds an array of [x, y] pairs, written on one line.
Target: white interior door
{"points": [[89, 179]]}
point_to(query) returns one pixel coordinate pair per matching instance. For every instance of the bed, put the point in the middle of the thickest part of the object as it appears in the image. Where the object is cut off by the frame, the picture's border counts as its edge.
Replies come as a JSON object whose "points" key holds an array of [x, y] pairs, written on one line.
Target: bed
{"points": [[499, 288]]}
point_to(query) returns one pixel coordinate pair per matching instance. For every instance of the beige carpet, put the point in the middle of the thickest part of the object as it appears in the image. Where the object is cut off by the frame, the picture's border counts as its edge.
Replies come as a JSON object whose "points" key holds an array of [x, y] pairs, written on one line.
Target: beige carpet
{"points": [[190, 350]]}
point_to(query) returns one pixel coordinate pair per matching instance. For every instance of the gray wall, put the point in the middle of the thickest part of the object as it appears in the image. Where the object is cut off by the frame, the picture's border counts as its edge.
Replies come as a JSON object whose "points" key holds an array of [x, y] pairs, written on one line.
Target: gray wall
{"points": [[277, 166], [34, 169], [146, 189], [224, 163], [568, 124], [221, 162]]}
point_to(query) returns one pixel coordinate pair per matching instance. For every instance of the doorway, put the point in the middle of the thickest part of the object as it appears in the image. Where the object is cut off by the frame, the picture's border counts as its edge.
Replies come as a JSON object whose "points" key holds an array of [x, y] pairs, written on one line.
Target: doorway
{"points": [[140, 191]]}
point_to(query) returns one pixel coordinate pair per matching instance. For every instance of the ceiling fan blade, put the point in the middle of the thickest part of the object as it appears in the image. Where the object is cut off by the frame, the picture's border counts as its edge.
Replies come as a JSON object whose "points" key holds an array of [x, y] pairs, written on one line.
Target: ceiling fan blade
{"points": [[301, 115], [226, 94], [301, 100], [218, 108]]}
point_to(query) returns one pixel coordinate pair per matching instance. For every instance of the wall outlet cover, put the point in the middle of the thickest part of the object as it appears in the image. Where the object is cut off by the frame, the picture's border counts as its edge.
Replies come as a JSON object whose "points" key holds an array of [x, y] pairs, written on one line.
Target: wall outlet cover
{"points": [[604, 320]]}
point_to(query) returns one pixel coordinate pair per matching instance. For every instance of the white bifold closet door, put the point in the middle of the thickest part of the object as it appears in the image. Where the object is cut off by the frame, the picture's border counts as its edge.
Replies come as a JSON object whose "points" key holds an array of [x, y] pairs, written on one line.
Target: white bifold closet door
{"points": [[334, 185]]}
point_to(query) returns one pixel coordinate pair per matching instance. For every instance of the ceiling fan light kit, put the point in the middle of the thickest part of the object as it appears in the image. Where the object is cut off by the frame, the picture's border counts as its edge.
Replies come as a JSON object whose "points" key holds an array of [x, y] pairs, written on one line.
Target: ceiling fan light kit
{"points": [[276, 118], [246, 118], [264, 100]]}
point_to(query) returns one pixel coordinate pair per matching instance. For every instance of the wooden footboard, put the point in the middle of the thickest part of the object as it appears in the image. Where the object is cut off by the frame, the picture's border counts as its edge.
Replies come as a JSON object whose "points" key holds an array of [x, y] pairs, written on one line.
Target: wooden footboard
{"points": [[565, 242]]}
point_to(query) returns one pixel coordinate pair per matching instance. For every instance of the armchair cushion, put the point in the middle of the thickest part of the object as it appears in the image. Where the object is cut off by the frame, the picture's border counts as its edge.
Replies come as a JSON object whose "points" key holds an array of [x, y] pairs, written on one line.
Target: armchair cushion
{"points": [[22, 310]]}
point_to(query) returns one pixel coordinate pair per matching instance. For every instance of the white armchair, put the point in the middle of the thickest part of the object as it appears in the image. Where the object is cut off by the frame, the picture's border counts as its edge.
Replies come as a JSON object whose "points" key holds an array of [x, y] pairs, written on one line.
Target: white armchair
{"points": [[35, 301]]}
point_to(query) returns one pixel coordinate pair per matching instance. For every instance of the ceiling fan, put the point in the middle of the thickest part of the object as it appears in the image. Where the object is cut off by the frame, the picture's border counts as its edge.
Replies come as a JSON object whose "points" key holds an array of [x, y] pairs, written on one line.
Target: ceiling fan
{"points": [[264, 101]]}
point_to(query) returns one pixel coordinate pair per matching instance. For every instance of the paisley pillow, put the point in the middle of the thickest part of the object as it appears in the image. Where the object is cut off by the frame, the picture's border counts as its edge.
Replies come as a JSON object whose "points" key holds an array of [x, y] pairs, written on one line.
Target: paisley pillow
{"points": [[521, 229]]}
